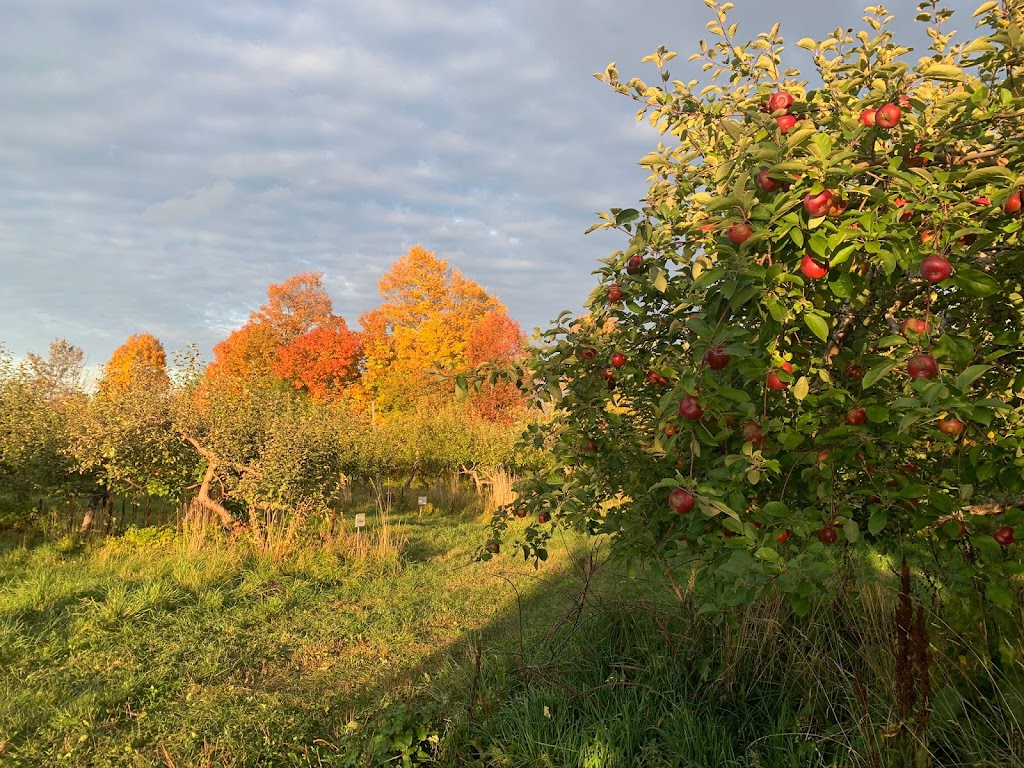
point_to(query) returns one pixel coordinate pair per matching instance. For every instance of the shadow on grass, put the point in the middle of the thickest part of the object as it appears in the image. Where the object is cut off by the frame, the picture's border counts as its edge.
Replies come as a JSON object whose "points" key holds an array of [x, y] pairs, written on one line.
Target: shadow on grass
{"points": [[428, 659]]}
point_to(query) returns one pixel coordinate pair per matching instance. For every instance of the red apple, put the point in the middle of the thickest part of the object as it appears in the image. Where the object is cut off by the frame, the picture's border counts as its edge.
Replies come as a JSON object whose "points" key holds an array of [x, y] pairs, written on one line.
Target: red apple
{"points": [[774, 382], [915, 325], [588, 353], [783, 537], [766, 183], [854, 372], [681, 501], [716, 358], [779, 100], [785, 123], [904, 101], [867, 117], [922, 367], [752, 433], [520, 512], [1012, 204], [982, 200], [543, 517], [951, 426], [906, 215], [739, 233], [653, 377], [888, 116], [823, 456], [813, 268], [493, 547], [856, 416], [614, 293], [617, 359], [1004, 535], [936, 268], [818, 205], [635, 265], [689, 408], [827, 535]]}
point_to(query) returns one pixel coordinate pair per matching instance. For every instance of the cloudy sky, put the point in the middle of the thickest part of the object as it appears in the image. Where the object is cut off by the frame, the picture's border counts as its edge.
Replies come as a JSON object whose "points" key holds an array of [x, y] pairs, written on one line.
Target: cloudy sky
{"points": [[161, 163]]}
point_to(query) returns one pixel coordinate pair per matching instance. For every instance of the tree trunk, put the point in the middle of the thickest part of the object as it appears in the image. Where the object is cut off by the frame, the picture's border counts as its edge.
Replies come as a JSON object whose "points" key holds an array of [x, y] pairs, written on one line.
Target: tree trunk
{"points": [[226, 518]]}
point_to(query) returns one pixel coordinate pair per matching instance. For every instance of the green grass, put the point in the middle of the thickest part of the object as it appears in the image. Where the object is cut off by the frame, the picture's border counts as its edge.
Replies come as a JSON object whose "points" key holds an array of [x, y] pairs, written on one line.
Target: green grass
{"points": [[154, 650]]}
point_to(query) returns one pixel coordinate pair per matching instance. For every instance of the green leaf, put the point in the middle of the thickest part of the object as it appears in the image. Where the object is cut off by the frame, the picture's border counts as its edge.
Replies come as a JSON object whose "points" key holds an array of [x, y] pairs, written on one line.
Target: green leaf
{"points": [[985, 8], [801, 388], [877, 522], [876, 373], [987, 174], [626, 215], [817, 325], [852, 531], [975, 283], [1000, 595], [945, 72], [969, 376], [660, 281]]}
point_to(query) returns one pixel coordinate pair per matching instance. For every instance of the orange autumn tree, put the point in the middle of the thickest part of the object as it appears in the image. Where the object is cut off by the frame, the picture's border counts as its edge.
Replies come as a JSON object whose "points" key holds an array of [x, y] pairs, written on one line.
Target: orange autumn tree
{"points": [[139, 362], [324, 360], [247, 353], [426, 321], [496, 339], [294, 307]]}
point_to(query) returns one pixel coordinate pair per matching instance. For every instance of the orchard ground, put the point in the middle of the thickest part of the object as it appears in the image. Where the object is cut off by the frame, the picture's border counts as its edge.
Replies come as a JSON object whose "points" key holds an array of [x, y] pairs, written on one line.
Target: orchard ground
{"points": [[159, 648]]}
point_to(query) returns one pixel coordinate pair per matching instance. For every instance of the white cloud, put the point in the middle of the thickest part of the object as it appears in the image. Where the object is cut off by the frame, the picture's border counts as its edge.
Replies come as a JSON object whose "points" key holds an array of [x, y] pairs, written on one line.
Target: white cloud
{"points": [[161, 163], [199, 203]]}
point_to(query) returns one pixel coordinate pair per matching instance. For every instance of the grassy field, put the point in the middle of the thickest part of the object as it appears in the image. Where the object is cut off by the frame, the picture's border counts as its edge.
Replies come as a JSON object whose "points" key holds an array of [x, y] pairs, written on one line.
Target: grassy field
{"points": [[160, 650]]}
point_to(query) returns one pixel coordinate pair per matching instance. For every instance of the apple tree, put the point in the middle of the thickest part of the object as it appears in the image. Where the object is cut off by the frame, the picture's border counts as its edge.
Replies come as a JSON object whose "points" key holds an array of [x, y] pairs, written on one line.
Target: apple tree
{"points": [[812, 342]]}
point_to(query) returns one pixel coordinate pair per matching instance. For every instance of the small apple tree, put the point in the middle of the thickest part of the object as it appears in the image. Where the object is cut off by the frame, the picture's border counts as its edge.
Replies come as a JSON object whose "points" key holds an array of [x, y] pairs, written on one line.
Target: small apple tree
{"points": [[813, 341]]}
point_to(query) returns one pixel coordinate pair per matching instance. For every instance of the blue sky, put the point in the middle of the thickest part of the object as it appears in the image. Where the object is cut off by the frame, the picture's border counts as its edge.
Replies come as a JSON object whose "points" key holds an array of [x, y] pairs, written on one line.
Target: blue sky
{"points": [[161, 163]]}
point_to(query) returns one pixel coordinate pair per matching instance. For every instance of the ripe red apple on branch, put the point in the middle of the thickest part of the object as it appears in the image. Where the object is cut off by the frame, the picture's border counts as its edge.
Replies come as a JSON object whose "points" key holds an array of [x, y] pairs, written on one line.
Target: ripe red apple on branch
{"points": [[780, 100], [774, 382], [813, 268], [915, 325], [827, 535], [818, 205], [936, 268], [785, 123], [1004, 534], [636, 265], [690, 408], [739, 233], [766, 183], [681, 501], [922, 367], [951, 426], [888, 116], [716, 358]]}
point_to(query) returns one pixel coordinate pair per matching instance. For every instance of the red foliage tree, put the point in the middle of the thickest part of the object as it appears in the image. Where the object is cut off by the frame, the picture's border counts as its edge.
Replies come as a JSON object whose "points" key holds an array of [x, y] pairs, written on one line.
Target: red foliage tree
{"points": [[324, 360]]}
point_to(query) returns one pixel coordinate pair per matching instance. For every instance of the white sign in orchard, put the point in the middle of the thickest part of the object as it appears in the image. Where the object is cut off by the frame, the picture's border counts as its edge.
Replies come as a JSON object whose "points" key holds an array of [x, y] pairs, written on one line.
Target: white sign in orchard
{"points": [[423, 501], [360, 520]]}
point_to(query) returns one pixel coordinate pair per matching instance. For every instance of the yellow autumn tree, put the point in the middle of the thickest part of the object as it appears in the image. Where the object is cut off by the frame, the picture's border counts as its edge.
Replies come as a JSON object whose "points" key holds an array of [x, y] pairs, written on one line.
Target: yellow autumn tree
{"points": [[138, 363], [427, 319]]}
